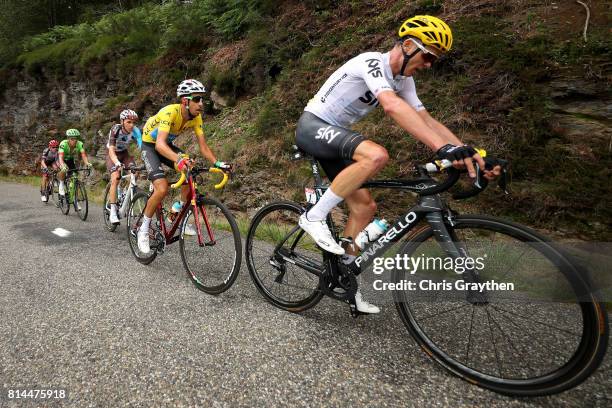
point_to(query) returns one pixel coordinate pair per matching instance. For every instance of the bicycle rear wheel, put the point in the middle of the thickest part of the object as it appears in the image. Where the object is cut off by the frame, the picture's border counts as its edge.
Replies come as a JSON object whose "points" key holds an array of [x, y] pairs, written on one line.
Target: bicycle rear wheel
{"points": [[214, 266], [81, 204], [546, 336], [273, 240]]}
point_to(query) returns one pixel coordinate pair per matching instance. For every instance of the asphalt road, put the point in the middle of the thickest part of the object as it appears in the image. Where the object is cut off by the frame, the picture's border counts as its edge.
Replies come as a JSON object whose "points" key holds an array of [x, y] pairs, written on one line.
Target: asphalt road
{"points": [[79, 313]]}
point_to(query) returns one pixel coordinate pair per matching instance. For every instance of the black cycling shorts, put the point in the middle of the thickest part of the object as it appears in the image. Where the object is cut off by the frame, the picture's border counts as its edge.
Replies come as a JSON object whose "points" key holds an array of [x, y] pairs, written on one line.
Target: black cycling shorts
{"points": [[153, 160], [332, 146], [70, 163]]}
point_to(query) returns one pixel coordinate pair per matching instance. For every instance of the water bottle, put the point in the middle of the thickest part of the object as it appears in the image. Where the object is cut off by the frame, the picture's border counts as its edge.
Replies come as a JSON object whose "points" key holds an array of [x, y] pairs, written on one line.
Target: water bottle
{"points": [[370, 233], [174, 210]]}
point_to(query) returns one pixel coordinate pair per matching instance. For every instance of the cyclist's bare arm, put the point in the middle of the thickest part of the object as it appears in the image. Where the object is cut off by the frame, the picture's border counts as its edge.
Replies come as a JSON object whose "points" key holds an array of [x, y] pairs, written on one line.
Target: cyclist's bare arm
{"points": [[408, 119], [205, 150], [161, 146], [84, 157], [439, 128], [112, 154]]}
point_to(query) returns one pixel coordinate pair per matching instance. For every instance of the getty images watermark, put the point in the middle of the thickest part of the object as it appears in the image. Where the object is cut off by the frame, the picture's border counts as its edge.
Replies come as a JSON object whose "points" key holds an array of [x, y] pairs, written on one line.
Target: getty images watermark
{"points": [[459, 266]]}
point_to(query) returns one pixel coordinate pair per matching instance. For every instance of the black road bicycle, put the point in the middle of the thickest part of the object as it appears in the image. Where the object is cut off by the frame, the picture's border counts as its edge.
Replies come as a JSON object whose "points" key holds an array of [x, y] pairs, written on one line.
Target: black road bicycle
{"points": [[546, 336], [76, 194]]}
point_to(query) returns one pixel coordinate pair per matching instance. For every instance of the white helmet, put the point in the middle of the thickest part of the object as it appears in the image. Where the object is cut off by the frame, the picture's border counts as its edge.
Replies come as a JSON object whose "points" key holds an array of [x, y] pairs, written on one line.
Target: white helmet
{"points": [[189, 86], [128, 114]]}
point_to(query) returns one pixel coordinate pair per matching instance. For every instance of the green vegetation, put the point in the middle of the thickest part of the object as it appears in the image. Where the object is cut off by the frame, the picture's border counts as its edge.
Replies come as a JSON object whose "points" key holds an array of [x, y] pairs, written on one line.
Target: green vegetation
{"points": [[267, 59]]}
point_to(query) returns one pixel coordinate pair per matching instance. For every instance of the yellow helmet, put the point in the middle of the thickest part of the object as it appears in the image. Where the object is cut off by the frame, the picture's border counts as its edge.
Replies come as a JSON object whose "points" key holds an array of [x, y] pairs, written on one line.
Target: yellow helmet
{"points": [[431, 31]]}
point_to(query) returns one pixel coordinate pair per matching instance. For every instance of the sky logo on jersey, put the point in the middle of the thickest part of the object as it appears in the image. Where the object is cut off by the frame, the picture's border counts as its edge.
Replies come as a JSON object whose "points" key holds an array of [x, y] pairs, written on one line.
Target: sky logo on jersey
{"points": [[327, 134]]}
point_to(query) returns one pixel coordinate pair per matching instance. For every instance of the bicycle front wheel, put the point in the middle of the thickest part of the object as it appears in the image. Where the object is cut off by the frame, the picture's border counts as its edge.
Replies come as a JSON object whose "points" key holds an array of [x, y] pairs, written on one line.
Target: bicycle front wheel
{"points": [[81, 204], [48, 193], [63, 200], [212, 266], [55, 192], [275, 240], [545, 336]]}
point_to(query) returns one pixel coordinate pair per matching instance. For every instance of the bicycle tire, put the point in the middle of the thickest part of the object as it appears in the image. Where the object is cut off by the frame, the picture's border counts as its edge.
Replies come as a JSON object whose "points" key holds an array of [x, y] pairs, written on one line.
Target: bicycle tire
{"points": [[63, 200], [55, 192], [48, 193], [106, 210], [80, 198], [206, 268], [588, 353], [133, 220], [263, 231]]}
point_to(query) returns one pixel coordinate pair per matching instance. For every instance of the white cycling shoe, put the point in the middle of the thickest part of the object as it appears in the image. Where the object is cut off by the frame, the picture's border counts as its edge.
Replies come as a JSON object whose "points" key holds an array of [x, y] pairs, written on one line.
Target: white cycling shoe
{"points": [[190, 230], [319, 231], [113, 218], [363, 306], [143, 242], [43, 198]]}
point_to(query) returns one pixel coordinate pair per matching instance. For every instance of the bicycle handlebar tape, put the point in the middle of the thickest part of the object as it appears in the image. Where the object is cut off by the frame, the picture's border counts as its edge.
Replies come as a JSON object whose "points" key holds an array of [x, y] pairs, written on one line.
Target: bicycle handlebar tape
{"points": [[225, 177], [180, 181], [453, 177]]}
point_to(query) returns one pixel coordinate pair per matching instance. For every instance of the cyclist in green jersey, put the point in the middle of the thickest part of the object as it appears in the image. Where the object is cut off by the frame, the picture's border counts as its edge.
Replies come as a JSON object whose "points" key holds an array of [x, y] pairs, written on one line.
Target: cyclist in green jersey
{"points": [[68, 149]]}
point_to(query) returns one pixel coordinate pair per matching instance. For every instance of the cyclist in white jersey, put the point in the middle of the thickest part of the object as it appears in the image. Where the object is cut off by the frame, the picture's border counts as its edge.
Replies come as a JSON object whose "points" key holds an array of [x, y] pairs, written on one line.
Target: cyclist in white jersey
{"points": [[348, 158]]}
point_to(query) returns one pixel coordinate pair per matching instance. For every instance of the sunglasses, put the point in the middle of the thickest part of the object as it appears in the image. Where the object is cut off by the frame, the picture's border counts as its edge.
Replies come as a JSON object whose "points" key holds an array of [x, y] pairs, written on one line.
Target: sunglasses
{"points": [[196, 99], [428, 56]]}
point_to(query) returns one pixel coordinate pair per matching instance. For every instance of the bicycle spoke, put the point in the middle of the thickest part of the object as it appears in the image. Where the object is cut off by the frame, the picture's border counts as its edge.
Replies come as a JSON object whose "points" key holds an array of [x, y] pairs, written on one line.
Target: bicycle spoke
{"points": [[494, 344], [539, 322]]}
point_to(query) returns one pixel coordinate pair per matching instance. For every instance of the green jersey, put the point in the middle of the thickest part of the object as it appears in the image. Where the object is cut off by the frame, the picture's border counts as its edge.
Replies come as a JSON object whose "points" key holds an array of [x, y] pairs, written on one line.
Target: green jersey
{"points": [[64, 147]]}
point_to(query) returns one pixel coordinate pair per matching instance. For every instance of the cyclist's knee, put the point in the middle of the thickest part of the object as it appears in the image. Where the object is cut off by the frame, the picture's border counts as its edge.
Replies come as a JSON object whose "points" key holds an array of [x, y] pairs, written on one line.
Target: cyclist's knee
{"points": [[379, 157], [161, 187], [375, 158]]}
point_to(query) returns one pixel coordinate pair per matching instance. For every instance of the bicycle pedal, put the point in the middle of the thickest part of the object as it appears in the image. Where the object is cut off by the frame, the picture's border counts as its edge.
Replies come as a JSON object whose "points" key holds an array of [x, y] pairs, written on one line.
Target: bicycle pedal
{"points": [[354, 312]]}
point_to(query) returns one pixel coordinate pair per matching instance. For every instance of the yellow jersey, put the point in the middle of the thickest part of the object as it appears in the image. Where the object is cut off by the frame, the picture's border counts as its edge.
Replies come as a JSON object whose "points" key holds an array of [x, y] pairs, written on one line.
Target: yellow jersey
{"points": [[169, 119]]}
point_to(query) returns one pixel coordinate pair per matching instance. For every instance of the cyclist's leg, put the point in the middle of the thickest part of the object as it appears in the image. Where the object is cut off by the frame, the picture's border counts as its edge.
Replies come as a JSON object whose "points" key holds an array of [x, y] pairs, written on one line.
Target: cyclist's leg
{"points": [[153, 162], [348, 160], [62, 175], [362, 208], [43, 184], [112, 192], [368, 159]]}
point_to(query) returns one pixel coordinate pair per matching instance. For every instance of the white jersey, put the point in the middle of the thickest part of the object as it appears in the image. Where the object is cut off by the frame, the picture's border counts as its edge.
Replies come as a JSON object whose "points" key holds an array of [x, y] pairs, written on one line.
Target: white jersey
{"points": [[350, 93]]}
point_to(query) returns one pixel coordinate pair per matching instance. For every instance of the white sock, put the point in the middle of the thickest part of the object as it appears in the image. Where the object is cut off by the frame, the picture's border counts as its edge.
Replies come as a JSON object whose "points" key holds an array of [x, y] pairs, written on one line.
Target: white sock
{"points": [[328, 201], [146, 221], [114, 207], [62, 188], [348, 258]]}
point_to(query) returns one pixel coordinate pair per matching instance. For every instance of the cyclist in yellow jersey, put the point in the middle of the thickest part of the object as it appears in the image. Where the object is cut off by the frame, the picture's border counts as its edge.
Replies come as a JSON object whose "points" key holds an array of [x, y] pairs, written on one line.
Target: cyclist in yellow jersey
{"points": [[157, 148]]}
